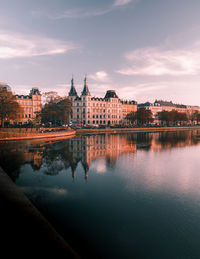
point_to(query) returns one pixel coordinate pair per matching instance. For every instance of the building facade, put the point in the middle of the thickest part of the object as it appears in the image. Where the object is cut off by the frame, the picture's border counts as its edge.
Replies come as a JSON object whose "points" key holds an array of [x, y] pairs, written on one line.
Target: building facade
{"points": [[109, 110], [160, 105], [31, 104]]}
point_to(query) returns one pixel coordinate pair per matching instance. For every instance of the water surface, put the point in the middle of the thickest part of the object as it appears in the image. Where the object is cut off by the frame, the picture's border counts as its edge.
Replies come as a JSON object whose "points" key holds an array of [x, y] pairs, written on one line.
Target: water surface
{"points": [[116, 196]]}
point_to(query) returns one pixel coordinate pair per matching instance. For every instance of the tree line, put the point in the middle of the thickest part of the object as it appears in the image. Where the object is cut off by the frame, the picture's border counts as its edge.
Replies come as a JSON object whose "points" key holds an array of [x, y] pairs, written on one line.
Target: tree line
{"points": [[144, 116], [55, 112]]}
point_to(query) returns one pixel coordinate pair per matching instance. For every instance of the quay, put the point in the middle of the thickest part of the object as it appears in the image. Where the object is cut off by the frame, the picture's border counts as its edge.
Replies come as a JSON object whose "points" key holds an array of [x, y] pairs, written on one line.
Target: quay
{"points": [[132, 130], [25, 231], [15, 134], [6, 135]]}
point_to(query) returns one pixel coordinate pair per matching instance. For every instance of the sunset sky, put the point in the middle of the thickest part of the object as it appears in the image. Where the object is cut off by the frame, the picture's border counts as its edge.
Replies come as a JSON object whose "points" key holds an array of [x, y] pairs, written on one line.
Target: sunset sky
{"points": [[143, 49]]}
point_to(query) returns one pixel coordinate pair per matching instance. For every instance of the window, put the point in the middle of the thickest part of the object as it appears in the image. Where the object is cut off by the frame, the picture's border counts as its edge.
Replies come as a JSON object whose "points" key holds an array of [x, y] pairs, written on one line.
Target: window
{"points": [[77, 110], [97, 116], [77, 104], [88, 122]]}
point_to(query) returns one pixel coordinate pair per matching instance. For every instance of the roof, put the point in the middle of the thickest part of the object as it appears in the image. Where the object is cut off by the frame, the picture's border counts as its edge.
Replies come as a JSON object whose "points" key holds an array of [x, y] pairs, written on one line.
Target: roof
{"points": [[111, 94]]}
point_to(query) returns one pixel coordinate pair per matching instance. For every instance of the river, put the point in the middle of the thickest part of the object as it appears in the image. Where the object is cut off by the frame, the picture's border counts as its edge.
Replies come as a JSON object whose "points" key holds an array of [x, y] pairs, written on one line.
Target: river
{"points": [[115, 195]]}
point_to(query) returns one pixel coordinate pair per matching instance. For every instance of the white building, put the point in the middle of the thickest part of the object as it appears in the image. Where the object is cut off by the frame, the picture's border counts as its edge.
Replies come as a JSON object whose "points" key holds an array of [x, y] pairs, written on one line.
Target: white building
{"points": [[109, 110]]}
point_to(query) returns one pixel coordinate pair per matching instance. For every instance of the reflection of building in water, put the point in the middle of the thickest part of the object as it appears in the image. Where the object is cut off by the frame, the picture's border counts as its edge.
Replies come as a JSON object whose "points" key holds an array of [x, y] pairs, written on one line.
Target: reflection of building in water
{"points": [[15, 155], [167, 140], [104, 150], [33, 157], [88, 148]]}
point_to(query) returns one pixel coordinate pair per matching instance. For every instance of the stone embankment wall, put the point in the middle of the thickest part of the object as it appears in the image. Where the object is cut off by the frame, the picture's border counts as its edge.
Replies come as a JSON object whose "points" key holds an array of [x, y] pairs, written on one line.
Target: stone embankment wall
{"points": [[19, 134], [25, 232], [129, 130]]}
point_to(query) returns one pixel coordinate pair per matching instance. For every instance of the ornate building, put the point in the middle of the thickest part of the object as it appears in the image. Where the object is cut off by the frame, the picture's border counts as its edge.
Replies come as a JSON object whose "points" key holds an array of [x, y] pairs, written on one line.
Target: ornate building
{"points": [[30, 103], [109, 110]]}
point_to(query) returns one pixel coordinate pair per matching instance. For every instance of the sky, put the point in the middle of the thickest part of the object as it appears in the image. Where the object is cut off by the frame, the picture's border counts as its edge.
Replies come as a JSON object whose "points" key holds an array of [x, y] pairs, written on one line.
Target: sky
{"points": [[143, 49]]}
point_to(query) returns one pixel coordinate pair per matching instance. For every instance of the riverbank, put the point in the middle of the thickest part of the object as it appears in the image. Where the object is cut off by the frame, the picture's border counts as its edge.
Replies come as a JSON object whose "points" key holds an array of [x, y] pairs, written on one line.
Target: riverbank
{"points": [[24, 230], [12, 136], [131, 130]]}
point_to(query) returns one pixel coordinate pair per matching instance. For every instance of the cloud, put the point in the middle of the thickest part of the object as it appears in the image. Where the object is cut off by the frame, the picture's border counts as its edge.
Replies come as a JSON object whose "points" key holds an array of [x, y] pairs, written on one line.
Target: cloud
{"points": [[79, 13], [101, 76], [83, 13], [156, 61], [15, 45], [99, 165], [122, 2]]}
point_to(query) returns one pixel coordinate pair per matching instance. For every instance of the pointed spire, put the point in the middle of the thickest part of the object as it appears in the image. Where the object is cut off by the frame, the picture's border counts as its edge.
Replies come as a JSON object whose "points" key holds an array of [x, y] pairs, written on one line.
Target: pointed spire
{"points": [[73, 168], [86, 169], [85, 89], [72, 91]]}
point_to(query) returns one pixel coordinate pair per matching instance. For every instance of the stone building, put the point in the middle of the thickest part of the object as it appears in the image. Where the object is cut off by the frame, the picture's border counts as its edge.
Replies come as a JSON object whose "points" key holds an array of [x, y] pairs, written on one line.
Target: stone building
{"points": [[109, 110], [160, 105], [31, 104]]}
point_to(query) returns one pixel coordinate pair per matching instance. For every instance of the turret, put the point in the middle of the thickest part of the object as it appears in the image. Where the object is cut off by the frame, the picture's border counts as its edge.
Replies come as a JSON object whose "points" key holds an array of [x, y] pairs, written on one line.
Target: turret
{"points": [[85, 91], [72, 91]]}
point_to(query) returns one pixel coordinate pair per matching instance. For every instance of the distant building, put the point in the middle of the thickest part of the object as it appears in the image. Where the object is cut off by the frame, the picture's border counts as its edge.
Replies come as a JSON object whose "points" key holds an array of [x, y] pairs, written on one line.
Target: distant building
{"points": [[109, 110], [160, 105], [5, 86], [31, 104]]}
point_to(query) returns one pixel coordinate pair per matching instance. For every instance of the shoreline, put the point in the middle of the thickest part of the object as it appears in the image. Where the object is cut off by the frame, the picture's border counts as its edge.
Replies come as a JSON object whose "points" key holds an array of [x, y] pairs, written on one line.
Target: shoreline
{"points": [[29, 136], [72, 133], [28, 226], [132, 130]]}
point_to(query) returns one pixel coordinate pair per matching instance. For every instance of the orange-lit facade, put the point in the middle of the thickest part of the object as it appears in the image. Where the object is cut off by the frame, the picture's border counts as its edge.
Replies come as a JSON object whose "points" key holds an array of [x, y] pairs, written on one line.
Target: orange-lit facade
{"points": [[109, 110], [31, 104]]}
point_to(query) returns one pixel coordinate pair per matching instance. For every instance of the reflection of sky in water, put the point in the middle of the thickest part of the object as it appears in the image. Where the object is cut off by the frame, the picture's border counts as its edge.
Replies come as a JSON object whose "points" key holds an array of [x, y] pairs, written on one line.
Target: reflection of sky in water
{"points": [[170, 171], [130, 195]]}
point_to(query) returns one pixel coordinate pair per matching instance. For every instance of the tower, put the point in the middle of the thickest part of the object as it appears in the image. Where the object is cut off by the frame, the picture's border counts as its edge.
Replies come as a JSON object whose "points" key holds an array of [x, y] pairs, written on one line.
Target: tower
{"points": [[85, 91], [72, 92]]}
